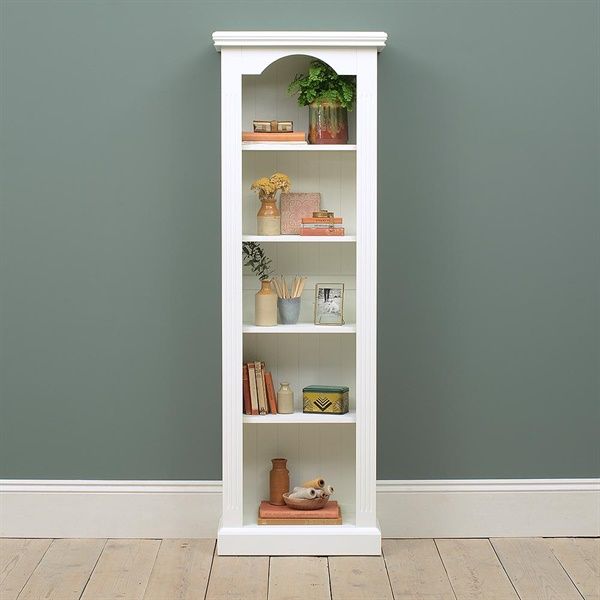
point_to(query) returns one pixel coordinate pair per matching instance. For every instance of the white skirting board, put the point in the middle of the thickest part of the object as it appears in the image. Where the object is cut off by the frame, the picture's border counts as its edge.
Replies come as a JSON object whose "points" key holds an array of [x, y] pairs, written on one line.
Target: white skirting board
{"points": [[168, 509]]}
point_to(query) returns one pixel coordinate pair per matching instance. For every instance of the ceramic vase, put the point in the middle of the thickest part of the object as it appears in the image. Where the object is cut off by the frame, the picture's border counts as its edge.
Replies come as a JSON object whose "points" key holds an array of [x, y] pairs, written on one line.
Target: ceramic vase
{"points": [[265, 305], [285, 399], [328, 123], [279, 481], [268, 219]]}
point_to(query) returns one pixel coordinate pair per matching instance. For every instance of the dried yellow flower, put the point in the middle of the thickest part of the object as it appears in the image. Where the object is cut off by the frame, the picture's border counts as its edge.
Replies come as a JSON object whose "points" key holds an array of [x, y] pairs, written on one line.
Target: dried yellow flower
{"points": [[269, 185], [281, 181]]}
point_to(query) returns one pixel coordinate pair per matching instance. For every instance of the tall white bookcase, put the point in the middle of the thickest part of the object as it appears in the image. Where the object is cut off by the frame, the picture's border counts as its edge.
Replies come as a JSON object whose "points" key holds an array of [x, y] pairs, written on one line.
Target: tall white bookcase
{"points": [[256, 67]]}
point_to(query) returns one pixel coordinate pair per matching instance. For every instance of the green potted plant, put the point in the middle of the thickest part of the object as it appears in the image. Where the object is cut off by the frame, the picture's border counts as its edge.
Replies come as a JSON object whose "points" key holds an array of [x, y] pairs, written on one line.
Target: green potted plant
{"points": [[265, 300], [329, 97]]}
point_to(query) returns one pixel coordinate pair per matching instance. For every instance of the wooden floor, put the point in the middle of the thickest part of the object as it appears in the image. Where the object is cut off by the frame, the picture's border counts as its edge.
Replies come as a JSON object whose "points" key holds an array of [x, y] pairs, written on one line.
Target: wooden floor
{"points": [[475, 569]]}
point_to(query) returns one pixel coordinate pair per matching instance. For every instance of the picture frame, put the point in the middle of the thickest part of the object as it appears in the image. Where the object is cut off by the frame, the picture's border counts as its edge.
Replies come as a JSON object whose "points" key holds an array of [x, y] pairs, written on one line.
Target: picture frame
{"points": [[329, 304]]}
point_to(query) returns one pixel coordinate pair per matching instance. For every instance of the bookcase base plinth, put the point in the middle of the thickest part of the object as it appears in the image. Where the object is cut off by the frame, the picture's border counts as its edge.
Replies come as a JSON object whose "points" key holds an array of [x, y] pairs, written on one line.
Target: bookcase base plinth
{"points": [[299, 540]]}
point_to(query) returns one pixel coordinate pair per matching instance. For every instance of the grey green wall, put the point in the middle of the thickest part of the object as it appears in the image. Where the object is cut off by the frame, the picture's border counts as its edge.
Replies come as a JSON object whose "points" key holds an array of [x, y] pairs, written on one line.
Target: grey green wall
{"points": [[489, 217]]}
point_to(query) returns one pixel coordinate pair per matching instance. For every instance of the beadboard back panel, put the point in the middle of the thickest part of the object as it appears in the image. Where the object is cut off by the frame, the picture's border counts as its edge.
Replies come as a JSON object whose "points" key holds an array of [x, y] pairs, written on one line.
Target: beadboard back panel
{"points": [[320, 450], [320, 262], [266, 97], [306, 359], [332, 174]]}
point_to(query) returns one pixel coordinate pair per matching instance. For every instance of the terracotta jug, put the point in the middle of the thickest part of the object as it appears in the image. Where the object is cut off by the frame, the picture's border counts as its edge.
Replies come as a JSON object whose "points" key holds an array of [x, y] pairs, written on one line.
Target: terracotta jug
{"points": [[279, 481], [268, 219]]}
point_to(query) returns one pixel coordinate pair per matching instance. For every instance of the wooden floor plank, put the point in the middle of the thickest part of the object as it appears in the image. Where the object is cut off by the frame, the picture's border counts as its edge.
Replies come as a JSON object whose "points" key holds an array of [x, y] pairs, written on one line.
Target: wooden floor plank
{"points": [[18, 559], [580, 558], [416, 571], [64, 570], [534, 570], [299, 578], [359, 578], [181, 570], [474, 570], [123, 570], [238, 578]]}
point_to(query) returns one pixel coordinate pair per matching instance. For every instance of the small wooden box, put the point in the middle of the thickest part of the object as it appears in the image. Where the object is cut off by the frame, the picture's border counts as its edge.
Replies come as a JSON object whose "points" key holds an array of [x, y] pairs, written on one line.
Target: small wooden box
{"points": [[328, 399], [273, 126]]}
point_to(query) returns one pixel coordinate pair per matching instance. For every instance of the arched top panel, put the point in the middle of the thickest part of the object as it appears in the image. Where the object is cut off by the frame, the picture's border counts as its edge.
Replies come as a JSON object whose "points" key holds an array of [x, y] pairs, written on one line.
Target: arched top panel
{"points": [[294, 60], [256, 60]]}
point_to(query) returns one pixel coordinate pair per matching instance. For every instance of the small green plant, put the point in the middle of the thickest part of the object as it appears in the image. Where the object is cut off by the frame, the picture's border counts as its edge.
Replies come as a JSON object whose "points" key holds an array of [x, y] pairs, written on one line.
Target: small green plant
{"points": [[323, 84], [255, 258]]}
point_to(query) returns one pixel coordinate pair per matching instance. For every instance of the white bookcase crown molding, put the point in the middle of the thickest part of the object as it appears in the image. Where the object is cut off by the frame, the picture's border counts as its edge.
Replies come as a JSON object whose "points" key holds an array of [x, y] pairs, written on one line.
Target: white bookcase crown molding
{"points": [[338, 39]]}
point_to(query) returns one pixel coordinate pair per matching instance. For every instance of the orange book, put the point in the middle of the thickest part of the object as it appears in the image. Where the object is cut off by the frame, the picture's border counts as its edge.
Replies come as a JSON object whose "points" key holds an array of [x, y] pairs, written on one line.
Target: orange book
{"points": [[292, 136], [271, 397], [269, 511], [321, 220], [322, 231], [246, 390]]}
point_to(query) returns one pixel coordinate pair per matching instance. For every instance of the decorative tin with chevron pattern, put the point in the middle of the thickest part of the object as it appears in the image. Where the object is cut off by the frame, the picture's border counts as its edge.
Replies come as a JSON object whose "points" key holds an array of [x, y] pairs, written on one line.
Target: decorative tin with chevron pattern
{"points": [[331, 399]]}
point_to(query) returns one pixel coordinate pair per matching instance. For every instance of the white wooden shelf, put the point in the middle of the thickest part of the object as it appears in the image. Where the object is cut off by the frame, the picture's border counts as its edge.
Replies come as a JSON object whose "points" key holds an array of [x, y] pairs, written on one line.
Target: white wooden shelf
{"points": [[298, 417], [298, 238], [291, 147], [300, 328]]}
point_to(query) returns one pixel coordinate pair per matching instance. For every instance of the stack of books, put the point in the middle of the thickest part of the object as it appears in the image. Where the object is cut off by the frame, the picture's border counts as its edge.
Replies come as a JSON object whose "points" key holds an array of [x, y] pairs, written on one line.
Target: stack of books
{"points": [[268, 514], [258, 390], [329, 225]]}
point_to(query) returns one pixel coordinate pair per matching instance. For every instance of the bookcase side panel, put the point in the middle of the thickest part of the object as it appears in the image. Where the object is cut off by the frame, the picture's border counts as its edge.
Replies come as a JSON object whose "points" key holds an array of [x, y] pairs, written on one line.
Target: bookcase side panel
{"points": [[366, 288], [231, 307]]}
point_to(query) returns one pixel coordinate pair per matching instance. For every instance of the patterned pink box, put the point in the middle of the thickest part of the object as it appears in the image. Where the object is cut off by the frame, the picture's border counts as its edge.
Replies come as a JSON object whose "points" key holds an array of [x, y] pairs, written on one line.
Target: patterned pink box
{"points": [[294, 207]]}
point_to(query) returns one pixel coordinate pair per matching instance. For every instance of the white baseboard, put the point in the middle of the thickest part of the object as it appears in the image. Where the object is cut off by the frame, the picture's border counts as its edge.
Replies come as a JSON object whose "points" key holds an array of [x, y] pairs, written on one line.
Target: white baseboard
{"points": [[120, 509], [489, 508], [167, 509]]}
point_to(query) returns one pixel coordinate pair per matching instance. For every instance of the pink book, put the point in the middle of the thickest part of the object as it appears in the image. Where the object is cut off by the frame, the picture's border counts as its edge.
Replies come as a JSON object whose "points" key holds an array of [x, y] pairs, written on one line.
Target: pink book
{"points": [[268, 511], [296, 206], [323, 231]]}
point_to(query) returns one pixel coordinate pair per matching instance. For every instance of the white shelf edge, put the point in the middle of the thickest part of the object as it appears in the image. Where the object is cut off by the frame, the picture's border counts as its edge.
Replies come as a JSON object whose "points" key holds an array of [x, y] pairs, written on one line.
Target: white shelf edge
{"points": [[369, 39], [291, 147], [300, 418], [298, 238], [300, 328]]}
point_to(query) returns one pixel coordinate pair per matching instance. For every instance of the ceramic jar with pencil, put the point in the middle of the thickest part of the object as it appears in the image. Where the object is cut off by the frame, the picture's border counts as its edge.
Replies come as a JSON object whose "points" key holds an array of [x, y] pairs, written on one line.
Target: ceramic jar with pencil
{"points": [[289, 298]]}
